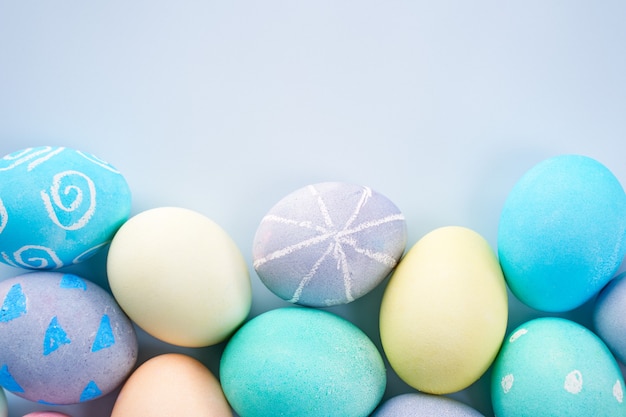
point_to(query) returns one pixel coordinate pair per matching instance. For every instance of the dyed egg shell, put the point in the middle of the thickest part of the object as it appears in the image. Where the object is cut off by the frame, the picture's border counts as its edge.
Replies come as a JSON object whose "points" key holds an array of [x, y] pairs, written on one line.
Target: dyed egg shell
{"points": [[444, 312], [555, 367], [58, 206], [171, 384], [4, 411], [63, 339], [609, 317], [179, 277], [424, 405], [301, 361], [562, 232], [45, 414], [328, 244]]}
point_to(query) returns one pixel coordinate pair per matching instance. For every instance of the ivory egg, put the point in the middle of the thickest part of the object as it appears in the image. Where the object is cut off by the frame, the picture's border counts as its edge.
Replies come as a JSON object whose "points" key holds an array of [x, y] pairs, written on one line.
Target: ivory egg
{"points": [[444, 312]]}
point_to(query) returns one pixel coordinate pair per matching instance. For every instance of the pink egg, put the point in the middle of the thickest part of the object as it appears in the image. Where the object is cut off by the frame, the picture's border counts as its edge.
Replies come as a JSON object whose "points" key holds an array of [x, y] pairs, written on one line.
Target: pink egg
{"points": [[45, 414]]}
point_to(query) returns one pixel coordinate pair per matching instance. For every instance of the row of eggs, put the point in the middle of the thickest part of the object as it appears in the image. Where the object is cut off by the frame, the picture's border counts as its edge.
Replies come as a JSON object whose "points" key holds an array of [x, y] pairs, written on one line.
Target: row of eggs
{"points": [[443, 316]]}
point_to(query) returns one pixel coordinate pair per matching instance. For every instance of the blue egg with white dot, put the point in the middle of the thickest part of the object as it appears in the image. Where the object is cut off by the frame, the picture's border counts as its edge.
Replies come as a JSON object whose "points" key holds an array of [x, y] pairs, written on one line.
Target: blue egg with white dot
{"points": [[58, 206], [63, 339], [562, 232], [302, 362], [553, 367]]}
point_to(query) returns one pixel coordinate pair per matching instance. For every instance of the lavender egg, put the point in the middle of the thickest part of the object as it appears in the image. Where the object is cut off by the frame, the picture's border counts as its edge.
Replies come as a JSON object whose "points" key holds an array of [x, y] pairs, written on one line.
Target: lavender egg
{"points": [[63, 339], [58, 206], [609, 316], [329, 243], [417, 404]]}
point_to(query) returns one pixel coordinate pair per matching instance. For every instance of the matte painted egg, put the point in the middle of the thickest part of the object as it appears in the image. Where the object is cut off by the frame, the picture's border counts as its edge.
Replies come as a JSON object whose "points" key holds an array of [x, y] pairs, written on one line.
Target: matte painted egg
{"points": [[418, 404], [562, 232], [58, 206], [328, 244], [63, 339], [179, 276], [45, 414], [4, 411], [609, 316], [444, 312], [302, 362], [555, 367], [171, 384]]}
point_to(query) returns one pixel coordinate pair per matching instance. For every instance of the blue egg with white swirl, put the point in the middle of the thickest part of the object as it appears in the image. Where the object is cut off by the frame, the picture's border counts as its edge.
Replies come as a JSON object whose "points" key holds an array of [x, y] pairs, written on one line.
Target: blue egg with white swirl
{"points": [[63, 339], [58, 206]]}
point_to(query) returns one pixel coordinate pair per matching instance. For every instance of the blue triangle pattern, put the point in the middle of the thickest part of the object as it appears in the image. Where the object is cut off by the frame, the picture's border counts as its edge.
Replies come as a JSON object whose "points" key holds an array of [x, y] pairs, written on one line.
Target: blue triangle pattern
{"points": [[7, 380], [14, 304], [55, 337], [71, 281], [90, 392], [104, 337]]}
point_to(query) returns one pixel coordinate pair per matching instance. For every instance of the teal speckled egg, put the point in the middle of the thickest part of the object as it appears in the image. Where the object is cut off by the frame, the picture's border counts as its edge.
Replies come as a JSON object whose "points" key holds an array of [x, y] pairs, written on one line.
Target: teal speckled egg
{"points": [[58, 206], [302, 362], [554, 367]]}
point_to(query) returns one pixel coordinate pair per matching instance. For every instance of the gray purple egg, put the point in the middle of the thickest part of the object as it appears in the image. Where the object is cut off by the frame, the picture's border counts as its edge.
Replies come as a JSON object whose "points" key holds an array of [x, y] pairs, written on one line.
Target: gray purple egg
{"points": [[63, 339], [418, 404], [328, 243], [609, 316]]}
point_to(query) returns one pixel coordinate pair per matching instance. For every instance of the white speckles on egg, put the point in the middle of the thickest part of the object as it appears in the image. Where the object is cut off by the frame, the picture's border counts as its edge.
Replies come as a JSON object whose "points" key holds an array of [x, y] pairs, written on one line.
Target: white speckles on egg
{"points": [[507, 383], [573, 382]]}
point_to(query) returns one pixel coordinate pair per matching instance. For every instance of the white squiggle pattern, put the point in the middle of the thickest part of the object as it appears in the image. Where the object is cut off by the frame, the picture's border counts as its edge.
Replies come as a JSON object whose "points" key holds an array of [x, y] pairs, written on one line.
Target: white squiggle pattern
{"points": [[507, 383], [517, 335], [573, 382], [18, 158], [98, 161], [339, 238], [55, 197], [4, 216], [45, 259], [88, 253], [617, 391]]}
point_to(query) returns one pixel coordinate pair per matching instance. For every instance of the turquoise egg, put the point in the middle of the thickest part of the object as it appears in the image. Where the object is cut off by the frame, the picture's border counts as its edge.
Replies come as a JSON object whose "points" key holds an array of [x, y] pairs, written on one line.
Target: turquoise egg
{"points": [[553, 367], [562, 232], [58, 206], [302, 362]]}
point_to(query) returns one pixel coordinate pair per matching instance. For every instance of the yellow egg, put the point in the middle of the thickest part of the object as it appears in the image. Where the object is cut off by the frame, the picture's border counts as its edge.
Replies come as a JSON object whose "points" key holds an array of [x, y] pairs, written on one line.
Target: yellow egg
{"points": [[444, 312], [171, 384]]}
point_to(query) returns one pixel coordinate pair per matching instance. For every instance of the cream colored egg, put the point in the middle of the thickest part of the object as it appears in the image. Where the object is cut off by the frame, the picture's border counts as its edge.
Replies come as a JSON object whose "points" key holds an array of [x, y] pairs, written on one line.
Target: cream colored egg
{"points": [[444, 312], [179, 276], [171, 384]]}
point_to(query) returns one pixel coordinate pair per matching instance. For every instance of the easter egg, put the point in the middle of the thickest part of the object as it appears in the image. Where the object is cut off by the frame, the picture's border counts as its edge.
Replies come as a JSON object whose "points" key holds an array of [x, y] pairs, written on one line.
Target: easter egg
{"points": [[302, 362], [171, 384], [418, 404], [444, 312], [555, 367], [609, 316], [63, 339], [328, 244], [179, 276], [45, 414], [562, 232], [58, 206], [4, 411]]}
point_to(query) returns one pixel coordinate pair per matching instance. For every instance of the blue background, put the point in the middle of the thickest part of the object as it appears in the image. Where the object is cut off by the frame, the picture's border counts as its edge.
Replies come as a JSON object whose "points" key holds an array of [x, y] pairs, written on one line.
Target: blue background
{"points": [[226, 107]]}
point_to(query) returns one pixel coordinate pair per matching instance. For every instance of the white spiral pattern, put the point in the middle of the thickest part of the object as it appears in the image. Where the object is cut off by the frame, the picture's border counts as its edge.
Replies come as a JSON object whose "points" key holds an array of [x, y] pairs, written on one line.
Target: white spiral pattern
{"points": [[54, 203], [4, 216], [98, 161], [34, 257], [34, 157]]}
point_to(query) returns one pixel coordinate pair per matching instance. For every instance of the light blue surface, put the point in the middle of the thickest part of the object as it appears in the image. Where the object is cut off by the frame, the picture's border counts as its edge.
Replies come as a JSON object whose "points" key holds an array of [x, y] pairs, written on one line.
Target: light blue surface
{"points": [[225, 107]]}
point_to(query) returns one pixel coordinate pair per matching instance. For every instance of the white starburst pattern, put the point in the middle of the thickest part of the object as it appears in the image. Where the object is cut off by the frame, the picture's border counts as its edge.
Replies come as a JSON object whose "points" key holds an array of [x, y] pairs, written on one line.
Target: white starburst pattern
{"points": [[338, 238]]}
